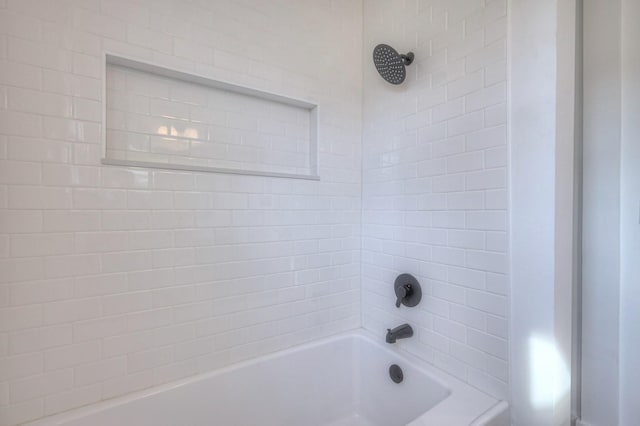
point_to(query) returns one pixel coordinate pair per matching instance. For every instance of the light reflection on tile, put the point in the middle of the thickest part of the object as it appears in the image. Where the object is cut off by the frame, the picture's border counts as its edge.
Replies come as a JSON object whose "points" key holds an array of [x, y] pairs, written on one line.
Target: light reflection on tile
{"points": [[158, 119]]}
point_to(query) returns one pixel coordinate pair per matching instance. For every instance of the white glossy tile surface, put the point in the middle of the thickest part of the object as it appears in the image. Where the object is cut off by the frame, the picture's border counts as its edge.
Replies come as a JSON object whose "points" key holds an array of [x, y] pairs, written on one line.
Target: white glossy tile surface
{"points": [[167, 121], [435, 184], [115, 279]]}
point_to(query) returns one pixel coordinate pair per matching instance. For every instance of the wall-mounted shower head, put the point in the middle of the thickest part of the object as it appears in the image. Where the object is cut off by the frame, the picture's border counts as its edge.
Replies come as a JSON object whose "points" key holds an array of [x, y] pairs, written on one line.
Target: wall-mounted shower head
{"points": [[391, 64]]}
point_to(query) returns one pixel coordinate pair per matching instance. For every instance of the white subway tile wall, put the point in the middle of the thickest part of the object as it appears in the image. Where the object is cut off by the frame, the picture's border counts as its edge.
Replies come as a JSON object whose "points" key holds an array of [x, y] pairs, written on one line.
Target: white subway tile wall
{"points": [[435, 183], [116, 279], [162, 120]]}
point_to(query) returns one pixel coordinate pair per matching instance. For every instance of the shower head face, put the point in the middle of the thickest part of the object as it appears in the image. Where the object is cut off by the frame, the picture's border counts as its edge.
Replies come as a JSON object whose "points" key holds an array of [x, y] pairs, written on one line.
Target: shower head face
{"points": [[390, 64]]}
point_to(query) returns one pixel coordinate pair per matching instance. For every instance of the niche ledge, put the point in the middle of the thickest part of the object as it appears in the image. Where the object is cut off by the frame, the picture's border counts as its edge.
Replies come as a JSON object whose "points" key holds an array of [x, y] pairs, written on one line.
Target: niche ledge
{"points": [[156, 117]]}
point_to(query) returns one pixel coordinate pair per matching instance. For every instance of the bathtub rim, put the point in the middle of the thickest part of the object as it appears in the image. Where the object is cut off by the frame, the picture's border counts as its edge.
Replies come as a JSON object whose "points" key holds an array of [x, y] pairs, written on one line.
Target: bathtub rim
{"points": [[475, 402]]}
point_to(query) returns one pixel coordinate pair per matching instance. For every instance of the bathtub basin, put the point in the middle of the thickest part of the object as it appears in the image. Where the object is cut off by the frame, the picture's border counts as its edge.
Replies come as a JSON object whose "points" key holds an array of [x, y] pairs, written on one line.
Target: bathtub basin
{"points": [[339, 381]]}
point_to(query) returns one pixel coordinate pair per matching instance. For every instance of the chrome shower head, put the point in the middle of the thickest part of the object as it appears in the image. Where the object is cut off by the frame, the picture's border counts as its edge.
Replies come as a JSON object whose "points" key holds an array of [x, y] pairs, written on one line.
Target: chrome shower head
{"points": [[391, 64]]}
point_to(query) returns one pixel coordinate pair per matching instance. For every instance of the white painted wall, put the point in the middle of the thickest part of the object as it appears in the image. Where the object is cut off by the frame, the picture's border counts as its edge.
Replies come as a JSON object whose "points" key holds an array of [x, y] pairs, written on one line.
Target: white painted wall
{"points": [[435, 184], [611, 345], [541, 122], [532, 136], [116, 279], [567, 207], [601, 213], [630, 217]]}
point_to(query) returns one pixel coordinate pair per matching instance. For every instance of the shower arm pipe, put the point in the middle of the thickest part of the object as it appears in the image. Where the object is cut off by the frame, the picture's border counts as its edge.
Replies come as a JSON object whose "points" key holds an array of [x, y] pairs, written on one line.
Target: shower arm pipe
{"points": [[408, 58]]}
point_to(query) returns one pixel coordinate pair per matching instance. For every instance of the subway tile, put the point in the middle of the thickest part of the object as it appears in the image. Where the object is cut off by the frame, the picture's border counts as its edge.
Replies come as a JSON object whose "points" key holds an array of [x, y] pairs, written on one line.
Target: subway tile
{"points": [[21, 221], [173, 257], [100, 285], [99, 199], [448, 110], [20, 172], [132, 287], [494, 74], [450, 364], [494, 52], [448, 256], [487, 138], [22, 317], [14, 270], [123, 344], [496, 199], [494, 387], [145, 320], [32, 101], [496, 157], [497, 326], [449, 219], [99, 328], [490, 303], [100, 371], [70, 175], [468, 355], [127, 302], [73, 398], [448, 183], [496, 115], [486, 97], [72, 265], [23, 412], [498, 283], [127, 384], [35, 53], [144, 240], [64, 129], [41, 385], [21, 124], [96, 242], [466, 239], [125, 220], [487, 343], [465, 201], [468, 316], [488, 179], [23, 245], [464, 155], [20, 75], [32, 149], [487, 261], [17, 367], [447, 147], [465, 124], [492, 13], [67, 311], [38, 339], [468, 84], [41, 291], [497, 241], [45, 198], [450, 293], [486, 220], [72, 355], [465, 162], [151, 39]]}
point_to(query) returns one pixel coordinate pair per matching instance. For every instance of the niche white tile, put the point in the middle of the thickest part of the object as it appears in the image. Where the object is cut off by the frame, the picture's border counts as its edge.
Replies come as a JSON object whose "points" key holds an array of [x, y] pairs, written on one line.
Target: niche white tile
{"points": [[164, 118]]}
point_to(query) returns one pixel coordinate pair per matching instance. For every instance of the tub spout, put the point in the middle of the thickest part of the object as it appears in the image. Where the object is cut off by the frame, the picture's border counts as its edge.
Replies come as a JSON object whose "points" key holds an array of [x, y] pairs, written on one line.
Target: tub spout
{"points": [[401, 332]]}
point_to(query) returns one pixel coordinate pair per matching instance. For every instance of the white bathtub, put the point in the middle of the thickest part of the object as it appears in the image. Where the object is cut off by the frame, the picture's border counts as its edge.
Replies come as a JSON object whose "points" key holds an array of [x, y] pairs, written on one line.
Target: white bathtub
{"points": [[339, 381]]}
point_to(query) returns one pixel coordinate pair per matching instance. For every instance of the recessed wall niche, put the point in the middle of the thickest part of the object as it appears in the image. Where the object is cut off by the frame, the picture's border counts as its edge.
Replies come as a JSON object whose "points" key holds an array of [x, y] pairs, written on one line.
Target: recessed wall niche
{"points": [[162, 118]]}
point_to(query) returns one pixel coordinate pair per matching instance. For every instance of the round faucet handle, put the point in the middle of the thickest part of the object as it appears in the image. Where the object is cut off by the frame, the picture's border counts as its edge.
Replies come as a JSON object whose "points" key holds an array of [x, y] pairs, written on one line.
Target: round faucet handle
{"points": [[401, 293], [408, 291]]}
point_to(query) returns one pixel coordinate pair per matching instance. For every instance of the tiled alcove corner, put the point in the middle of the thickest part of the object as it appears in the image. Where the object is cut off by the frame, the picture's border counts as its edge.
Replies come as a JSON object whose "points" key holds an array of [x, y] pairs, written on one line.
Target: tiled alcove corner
{"points": [[162, 118]]}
